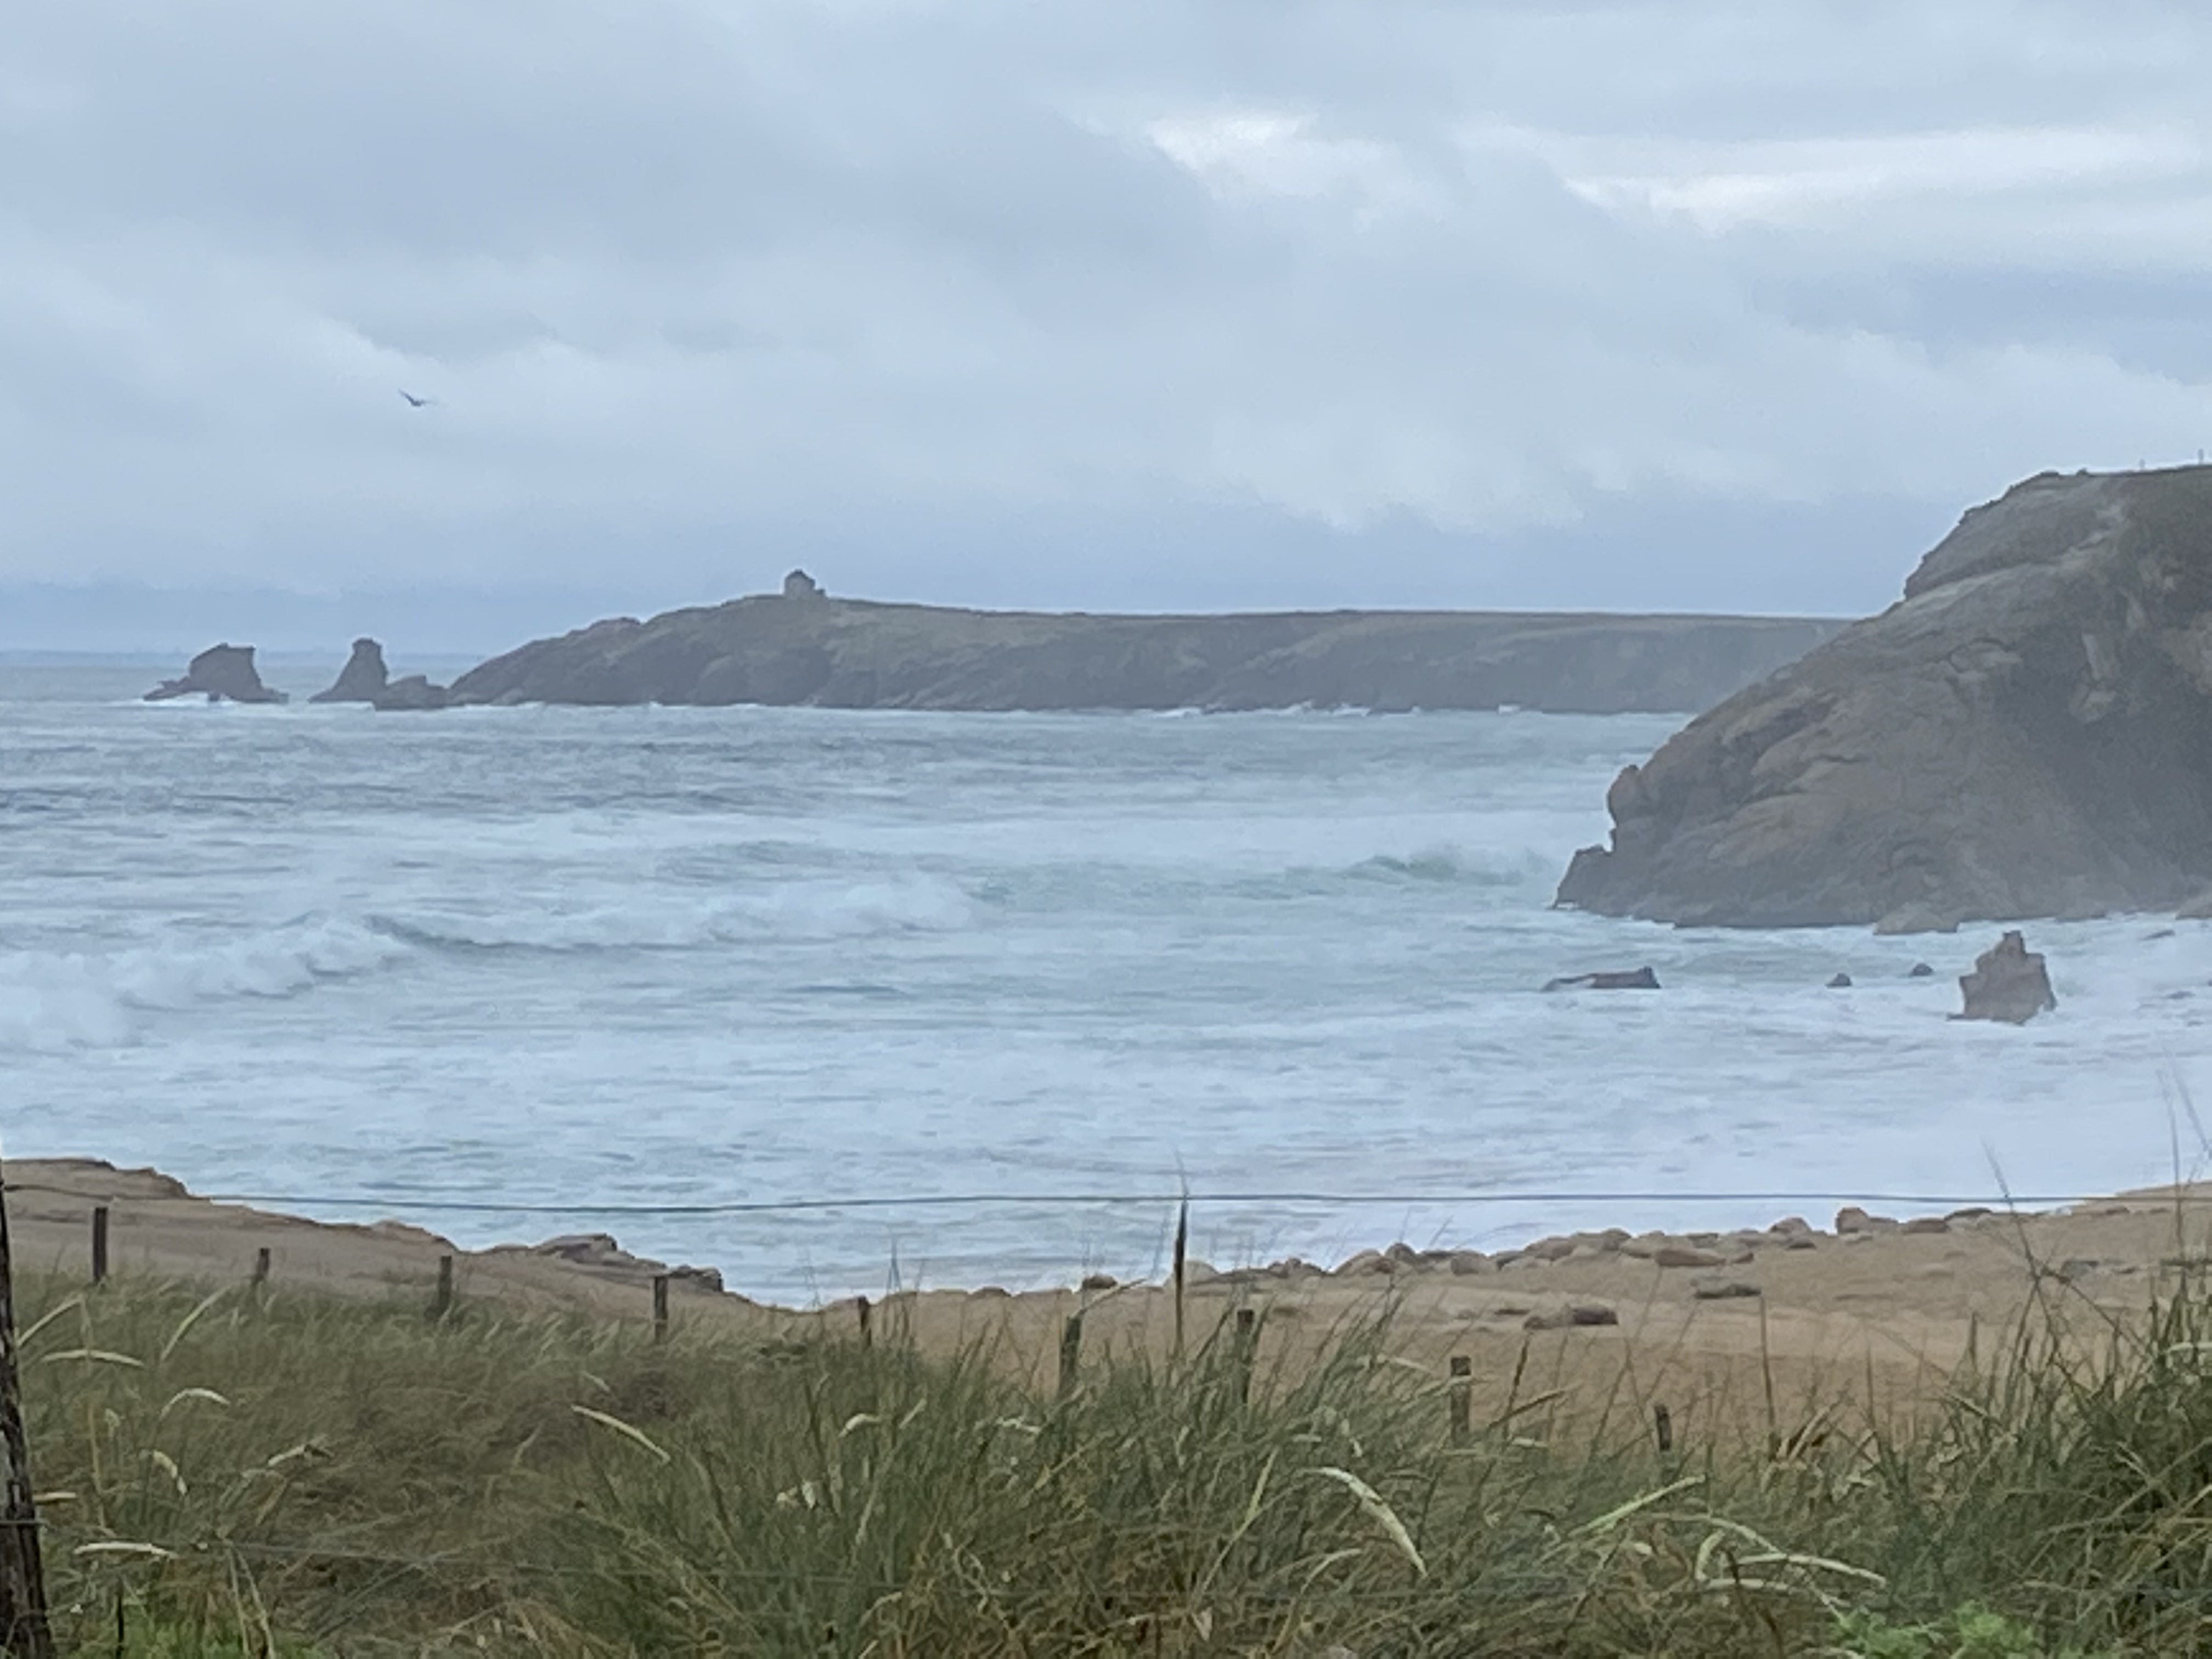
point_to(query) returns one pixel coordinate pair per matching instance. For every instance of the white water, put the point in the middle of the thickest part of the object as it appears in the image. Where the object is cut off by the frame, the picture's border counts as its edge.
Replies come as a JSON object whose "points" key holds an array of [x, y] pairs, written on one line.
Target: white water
{"points": [[641, 956]]}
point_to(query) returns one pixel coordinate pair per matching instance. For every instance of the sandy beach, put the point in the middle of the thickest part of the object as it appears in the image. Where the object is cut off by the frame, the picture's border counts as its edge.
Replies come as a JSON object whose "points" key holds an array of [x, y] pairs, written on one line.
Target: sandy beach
{"points": [[1745, 1330]]}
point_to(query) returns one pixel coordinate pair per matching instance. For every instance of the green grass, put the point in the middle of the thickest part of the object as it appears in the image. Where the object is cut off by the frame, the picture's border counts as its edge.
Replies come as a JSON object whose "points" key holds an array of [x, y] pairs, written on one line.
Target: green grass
{"points": [[319, 1478]]}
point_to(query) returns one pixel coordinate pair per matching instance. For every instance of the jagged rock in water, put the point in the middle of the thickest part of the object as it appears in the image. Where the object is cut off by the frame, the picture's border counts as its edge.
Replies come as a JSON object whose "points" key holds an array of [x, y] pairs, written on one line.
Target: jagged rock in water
{"points": [[847, 653], [1623, 979], [1921, 970], [2009, 983], [364, 679], [1840, 982], [221, 673], [412, 692], [2027, 732]]}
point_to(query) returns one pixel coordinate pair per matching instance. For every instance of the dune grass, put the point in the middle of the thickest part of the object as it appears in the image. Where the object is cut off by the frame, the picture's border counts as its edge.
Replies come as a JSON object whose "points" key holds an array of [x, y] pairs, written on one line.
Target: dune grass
{"points": [[311, 1478]]}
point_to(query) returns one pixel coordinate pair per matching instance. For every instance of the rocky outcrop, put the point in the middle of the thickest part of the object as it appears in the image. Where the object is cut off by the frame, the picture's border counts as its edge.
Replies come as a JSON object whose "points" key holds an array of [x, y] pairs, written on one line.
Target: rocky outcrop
{"points": [[1613, 979], [221, 673], [2009, 983], [364, 679], [2027, 734], [804, 646], [412, 693], [599, 1253]]}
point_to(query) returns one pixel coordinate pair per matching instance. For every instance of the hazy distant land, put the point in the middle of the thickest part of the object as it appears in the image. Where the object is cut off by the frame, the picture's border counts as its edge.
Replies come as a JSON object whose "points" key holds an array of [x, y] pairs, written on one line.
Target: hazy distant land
{"points": [[806, 648]]}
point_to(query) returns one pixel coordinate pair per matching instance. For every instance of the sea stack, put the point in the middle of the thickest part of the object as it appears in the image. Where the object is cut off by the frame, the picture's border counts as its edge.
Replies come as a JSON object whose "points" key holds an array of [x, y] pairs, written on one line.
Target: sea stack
{"points": [[364, 679], [2009, 983], [221, 673]]}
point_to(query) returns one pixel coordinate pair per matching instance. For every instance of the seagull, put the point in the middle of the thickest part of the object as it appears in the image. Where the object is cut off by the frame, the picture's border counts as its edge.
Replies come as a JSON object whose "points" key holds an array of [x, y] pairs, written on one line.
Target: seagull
{"points": [[414, 402]]}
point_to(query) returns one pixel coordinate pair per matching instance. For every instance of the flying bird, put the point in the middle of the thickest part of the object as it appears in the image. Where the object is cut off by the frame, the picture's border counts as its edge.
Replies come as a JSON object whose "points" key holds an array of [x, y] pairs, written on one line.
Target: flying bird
{"points": [[414, 402]]}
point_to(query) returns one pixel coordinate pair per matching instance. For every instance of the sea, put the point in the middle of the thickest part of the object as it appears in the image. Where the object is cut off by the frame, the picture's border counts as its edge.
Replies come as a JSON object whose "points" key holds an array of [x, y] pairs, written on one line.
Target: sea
{"points": [[836, 1002]]}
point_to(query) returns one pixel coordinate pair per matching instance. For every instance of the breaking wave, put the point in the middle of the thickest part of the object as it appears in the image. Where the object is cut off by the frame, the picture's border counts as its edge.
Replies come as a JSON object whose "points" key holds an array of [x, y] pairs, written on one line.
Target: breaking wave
{"points": [[1454, 866], [796, 913], [55, 1001]]}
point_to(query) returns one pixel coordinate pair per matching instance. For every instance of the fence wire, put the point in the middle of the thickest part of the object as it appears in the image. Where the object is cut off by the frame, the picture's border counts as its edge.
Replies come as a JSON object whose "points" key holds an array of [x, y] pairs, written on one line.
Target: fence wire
{"points": [[463, 1203]]}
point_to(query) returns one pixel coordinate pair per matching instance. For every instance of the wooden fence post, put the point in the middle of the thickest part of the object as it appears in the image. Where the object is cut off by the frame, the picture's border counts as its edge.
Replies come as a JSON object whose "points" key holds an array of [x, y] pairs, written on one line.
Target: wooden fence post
{"points": [[260, 1269], [660, 1307], [1071, 1354], [1182, 1256], [1248, 1347], [1662, 1429], [1457, 1397], [867, 1333], [100, 1243], [442, 1303], [24, 1633]]}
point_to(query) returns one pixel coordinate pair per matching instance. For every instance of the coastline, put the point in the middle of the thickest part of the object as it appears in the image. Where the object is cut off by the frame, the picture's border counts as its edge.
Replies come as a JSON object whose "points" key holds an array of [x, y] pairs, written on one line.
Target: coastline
{"points": [[1890, 1306]]}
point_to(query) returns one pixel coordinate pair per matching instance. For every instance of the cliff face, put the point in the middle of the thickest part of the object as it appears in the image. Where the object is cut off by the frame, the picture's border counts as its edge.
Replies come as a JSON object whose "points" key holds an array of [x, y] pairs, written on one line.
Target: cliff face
{"points": [[807, 649], [2027, 734]]}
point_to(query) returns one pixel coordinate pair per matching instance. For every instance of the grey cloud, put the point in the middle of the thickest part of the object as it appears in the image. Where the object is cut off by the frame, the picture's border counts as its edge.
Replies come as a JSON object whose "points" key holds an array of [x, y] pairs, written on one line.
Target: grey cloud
{"points": [[1445, 300]]}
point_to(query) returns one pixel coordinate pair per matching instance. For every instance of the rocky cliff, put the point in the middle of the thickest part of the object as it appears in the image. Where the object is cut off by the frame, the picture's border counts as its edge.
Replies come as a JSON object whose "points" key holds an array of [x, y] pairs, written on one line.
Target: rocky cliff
{"points": [[2026, 734], [802, 646]]}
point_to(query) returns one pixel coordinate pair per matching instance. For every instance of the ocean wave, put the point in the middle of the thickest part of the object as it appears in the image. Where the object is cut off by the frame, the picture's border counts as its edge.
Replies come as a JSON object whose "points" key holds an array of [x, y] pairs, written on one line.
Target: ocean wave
{"points": [[52, 1001], [213, 707], [1447, 866], [797, 913]]}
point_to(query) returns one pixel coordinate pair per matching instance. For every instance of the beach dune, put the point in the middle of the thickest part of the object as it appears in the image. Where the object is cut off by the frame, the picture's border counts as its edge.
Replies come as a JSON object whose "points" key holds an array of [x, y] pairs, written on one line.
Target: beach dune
{"points": [[1736, 1327]]}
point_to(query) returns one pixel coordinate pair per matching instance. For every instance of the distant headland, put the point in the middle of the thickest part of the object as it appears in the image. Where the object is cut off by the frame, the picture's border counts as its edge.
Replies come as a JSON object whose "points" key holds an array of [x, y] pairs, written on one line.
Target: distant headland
{"points": [[802, 646]]}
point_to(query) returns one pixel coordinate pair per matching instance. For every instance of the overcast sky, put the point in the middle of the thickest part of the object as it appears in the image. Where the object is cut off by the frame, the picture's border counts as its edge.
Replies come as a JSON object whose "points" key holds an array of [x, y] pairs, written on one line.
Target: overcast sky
{"points": [[1138, 303]]}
